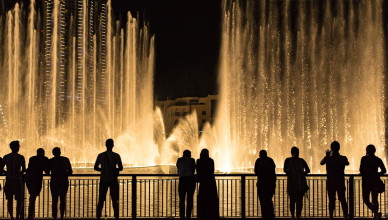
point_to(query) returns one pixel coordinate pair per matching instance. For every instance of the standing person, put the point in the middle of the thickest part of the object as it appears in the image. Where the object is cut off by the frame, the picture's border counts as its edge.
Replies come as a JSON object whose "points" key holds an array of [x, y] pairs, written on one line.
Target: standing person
{"points": [[266, 184], [335, 168], [371, 182], [186, 169], [207, 196], [14, 185], [60, 169], [34, 175], [109, 164], [296, 169]]}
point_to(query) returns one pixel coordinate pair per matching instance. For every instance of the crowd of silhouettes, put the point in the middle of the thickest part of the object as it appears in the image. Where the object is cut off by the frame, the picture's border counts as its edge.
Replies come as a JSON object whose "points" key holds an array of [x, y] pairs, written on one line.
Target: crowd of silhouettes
{"points": [[190, 173]]}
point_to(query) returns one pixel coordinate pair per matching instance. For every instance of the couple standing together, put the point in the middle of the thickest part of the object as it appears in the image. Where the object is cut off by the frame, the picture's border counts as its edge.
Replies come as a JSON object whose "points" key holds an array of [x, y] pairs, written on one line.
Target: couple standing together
{"points": [[207, 196], [371, 168]]}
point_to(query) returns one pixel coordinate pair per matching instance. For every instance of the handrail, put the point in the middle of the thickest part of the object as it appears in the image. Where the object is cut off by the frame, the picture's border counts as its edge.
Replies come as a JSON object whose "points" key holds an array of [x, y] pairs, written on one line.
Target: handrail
{"points": [[218, 174]]}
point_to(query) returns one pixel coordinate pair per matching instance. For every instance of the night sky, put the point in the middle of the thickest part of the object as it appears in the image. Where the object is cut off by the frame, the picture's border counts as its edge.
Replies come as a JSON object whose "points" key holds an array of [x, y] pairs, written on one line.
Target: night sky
{"points": [[187, 42]]}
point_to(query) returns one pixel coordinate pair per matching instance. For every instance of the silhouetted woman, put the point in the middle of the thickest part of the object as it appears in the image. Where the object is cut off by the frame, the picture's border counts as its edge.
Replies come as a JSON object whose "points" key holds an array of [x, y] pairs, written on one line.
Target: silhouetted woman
{"points": [[207, 196], [296, 169], [371, 182]]}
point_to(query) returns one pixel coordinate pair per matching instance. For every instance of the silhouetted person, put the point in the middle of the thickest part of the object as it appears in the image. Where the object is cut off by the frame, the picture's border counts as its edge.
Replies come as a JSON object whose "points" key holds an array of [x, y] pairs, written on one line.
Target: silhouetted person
{"points": [[335, 168], [207, 195], [369, 169], [60, 169], [296, 169], [186, 169], [34, 175], [109, 164], [14, 185], [266, 184]]}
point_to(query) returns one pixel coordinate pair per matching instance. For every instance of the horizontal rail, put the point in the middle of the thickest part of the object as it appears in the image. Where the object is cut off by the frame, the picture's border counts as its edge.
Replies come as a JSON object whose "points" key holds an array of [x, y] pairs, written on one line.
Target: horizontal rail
{"points": [[156, 196]]}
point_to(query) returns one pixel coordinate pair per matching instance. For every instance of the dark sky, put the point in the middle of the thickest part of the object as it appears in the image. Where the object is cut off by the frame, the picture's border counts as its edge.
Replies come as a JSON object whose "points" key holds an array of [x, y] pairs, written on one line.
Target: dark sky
{"points": [[187, 41]]}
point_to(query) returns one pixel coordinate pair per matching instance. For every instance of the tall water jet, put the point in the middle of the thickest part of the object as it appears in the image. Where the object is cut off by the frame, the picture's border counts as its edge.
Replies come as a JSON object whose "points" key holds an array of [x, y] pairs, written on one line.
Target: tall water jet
{"points": [[299, 73], [87, 78]]}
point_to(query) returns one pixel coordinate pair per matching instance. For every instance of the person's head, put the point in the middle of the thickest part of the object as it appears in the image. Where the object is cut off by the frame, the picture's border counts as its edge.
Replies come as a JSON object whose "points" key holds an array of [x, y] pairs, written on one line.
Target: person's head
{"points": [[295, 152], [204, 154], [56, 152], [109, 143], [186, 153], [14, 145], [370, 150], [335, 147], [40, 152], [263, 154]]}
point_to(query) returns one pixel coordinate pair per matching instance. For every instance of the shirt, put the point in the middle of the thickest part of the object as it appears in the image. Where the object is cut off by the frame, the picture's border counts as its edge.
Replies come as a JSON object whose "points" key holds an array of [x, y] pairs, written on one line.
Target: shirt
{"points": [[109, 161], [60, 168], [186, 166], [15, 164], [38, 164], [335, 165]]}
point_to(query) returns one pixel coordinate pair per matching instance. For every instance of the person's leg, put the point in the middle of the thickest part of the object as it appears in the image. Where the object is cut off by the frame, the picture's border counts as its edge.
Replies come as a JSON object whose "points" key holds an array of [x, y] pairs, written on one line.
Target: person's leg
{"points": [[10, 205], [271, 213], [299, 205], [263, 205], [114, 194], [101, 198], [31, 206], [19, 208], [344, 204], [365, 197], [292, 205], [182, 197], [375, 202], [190, 195], [54, 206], [331, 195]]}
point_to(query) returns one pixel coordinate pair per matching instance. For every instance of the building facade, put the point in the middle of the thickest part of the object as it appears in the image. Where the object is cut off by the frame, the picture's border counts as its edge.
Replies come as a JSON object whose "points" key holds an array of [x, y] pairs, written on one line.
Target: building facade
{"points": [[174, 110]]}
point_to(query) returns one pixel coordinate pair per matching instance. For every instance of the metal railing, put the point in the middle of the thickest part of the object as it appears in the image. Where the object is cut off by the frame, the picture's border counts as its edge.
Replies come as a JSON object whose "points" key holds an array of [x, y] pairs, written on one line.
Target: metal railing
{"points": [[156, 196]]}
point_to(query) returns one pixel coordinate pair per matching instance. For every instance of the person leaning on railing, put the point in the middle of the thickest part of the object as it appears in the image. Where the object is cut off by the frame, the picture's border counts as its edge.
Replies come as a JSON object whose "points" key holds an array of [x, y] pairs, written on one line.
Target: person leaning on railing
{"points": [[371, 182]]}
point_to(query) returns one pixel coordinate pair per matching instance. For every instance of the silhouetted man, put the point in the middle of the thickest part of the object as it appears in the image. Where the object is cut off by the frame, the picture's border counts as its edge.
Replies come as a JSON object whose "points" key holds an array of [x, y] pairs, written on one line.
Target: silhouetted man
{"points": [[369, 169], [14, 185], [266, 183], [109, 164], [60, 169], [335, 168], [34, 175], [186, 169]]}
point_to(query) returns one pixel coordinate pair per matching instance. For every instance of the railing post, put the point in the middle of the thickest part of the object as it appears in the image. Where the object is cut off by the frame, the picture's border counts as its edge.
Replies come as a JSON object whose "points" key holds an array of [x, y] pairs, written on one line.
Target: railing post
{"points": [[134, 197], [351, 197], [243, 196]]}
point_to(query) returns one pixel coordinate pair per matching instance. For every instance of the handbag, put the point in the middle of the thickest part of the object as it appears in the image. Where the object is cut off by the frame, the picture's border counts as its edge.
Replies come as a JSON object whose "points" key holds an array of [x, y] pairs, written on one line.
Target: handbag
{"points": [[380, 186]]}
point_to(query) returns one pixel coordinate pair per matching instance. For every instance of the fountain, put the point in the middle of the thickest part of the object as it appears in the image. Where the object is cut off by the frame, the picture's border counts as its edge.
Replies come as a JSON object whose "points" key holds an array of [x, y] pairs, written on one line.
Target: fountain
{"points": [[73, 78], [299, 73]]}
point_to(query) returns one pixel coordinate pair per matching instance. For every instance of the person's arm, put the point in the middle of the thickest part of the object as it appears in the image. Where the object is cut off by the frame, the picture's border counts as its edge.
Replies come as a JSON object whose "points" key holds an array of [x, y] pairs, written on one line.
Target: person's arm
{"points": [[46, 167], [362, 166], [324, 160], [212, 166], [346, 161], [23, 165], [29, 166], [256, 169], [119, 163], [285, 167], [70, 170], [306, 168], [177, 165], [382, 167], [97, 164], [2, 166]]}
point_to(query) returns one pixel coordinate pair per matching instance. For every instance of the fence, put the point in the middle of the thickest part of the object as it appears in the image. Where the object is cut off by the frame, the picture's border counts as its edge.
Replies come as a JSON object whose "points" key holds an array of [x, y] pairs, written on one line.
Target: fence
{"points": [[156, 196]]}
